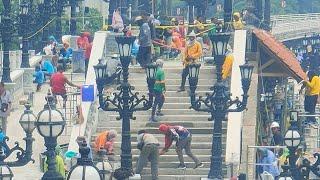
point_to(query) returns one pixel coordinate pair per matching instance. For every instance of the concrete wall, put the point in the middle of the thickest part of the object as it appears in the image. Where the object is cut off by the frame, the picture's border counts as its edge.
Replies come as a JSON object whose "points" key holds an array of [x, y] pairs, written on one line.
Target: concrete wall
{"points": [[250, 121]]}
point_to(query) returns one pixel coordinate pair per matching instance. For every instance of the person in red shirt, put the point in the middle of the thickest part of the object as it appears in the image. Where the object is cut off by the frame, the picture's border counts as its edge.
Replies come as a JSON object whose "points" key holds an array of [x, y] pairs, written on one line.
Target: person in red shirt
{"points": [[58, 82], [83, 40], [183, 141]]}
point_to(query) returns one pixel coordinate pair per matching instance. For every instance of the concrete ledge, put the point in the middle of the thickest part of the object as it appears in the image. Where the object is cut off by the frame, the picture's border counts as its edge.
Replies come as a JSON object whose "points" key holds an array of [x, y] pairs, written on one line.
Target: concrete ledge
{"points": [[35, 60]]}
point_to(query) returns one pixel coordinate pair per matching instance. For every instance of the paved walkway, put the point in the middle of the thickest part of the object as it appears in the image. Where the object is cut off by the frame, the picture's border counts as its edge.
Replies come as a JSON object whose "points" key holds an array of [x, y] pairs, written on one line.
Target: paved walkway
{"points": [[15, 133]]}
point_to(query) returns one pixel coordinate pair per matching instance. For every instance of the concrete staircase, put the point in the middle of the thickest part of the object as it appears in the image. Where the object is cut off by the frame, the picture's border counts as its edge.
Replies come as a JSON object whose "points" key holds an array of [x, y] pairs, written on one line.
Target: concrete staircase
{"points": [[177, 112]]}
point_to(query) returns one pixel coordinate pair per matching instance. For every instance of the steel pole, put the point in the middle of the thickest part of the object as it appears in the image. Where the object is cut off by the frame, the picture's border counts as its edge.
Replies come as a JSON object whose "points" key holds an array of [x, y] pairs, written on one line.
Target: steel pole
{"points": [[218, 115], [126, 156], [59, 8], [73, 20], [45, 20], [6, 33], [51, 174], [25, 43]]}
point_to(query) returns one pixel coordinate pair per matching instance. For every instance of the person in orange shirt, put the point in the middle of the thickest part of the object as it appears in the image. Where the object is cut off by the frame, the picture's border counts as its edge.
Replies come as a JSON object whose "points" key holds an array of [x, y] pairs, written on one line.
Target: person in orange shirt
{"points": [[176, 46], [105, 141], [192, 53]]}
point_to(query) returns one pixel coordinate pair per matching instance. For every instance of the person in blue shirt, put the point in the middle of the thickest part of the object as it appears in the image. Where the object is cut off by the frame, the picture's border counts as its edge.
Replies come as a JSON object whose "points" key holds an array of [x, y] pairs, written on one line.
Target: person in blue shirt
{"points": [[39, 77], [269, 161], [65, 55], [48, 67]]}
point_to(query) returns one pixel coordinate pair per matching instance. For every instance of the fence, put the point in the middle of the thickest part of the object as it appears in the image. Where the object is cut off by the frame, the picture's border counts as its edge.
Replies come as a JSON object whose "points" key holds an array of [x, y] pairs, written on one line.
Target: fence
{"points": [[69, 108]]}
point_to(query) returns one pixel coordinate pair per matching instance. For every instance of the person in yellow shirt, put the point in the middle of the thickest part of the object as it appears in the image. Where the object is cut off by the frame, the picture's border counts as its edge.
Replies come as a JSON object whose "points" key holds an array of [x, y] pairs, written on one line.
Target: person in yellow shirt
{"points": [[237, 22], [192, 53], [312, 93], [60, 168], [227, 68]]}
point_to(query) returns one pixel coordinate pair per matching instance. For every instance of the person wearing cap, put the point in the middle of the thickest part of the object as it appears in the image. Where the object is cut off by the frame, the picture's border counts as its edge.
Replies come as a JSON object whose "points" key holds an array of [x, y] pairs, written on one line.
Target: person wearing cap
{"points": [[277, 139], [148, 145], [105, 141], [192, 53], [183, 141], [237, 22], [159, 90], [144, 53]]}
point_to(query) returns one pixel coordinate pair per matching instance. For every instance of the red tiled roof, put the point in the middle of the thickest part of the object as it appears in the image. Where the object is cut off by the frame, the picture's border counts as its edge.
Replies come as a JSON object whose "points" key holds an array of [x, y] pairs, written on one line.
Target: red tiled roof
{"points": [[284, 55]]}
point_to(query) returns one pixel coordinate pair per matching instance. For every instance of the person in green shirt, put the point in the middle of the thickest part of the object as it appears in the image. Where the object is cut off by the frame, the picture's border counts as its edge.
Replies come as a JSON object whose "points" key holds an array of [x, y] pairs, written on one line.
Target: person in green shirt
{"points": [[59, 163], [159, 90]]}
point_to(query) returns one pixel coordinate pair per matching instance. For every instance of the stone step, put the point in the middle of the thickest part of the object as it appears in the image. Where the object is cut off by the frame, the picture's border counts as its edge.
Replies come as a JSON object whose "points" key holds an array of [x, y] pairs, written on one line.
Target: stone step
{"points": [[174, 165], [194, 145], [174, 171], [171, 81], [175, 177], [154, 130], [166, 111], [183, 94], [160, 137], [169, 158], [167, 118], [175, 69], [176, 105], [175, 87], [139, 124]]}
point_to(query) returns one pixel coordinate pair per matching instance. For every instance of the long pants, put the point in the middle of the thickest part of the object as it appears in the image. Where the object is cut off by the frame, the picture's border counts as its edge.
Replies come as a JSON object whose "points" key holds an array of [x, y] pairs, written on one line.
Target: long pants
{"points": [[185, 73], [86, 67], [186, 145], [144, 56], [158, 102], [150, 153], [310, 103], [4, 123]]}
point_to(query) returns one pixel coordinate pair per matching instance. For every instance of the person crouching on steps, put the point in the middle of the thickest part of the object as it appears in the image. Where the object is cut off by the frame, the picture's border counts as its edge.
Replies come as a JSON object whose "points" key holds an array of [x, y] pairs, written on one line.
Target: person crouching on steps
{"points": [[148, 145], [192, 54], [183, 141], [159, 90]]}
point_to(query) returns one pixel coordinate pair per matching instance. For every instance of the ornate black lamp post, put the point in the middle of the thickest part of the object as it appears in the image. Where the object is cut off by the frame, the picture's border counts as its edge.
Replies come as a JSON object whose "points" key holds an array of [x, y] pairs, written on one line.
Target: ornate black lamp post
{"points": [[6, 33], [125, 101], [59, 10], [84, 169], [73, 20], [292, 140], [44, 8], [285, 175], [24, 26], [27, 122], [50, 124], [218, 103]]}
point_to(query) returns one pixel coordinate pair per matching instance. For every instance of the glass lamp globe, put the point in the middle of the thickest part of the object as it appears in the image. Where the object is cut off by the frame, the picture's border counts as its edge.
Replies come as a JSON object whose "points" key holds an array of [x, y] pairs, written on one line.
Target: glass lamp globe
{"points": [[28, 120], [50, 121]]}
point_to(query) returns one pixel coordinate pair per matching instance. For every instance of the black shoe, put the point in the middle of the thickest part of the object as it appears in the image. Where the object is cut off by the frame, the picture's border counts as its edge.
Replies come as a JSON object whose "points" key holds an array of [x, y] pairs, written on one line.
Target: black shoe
{"points": [[198, 165], [211, 88], [181, 166], [181, 89], [159, 113]]}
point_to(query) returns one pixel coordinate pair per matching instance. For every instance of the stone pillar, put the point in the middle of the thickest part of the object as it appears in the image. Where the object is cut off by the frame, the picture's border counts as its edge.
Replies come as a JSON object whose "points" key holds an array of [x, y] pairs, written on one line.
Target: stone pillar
{"points": [[266, 21], [28, 85], [249, 122]]}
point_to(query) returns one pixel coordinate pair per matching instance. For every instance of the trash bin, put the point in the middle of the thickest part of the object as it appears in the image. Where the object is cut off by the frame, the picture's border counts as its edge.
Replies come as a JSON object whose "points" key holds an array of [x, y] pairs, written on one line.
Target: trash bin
{"points": [[78, 61]]}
